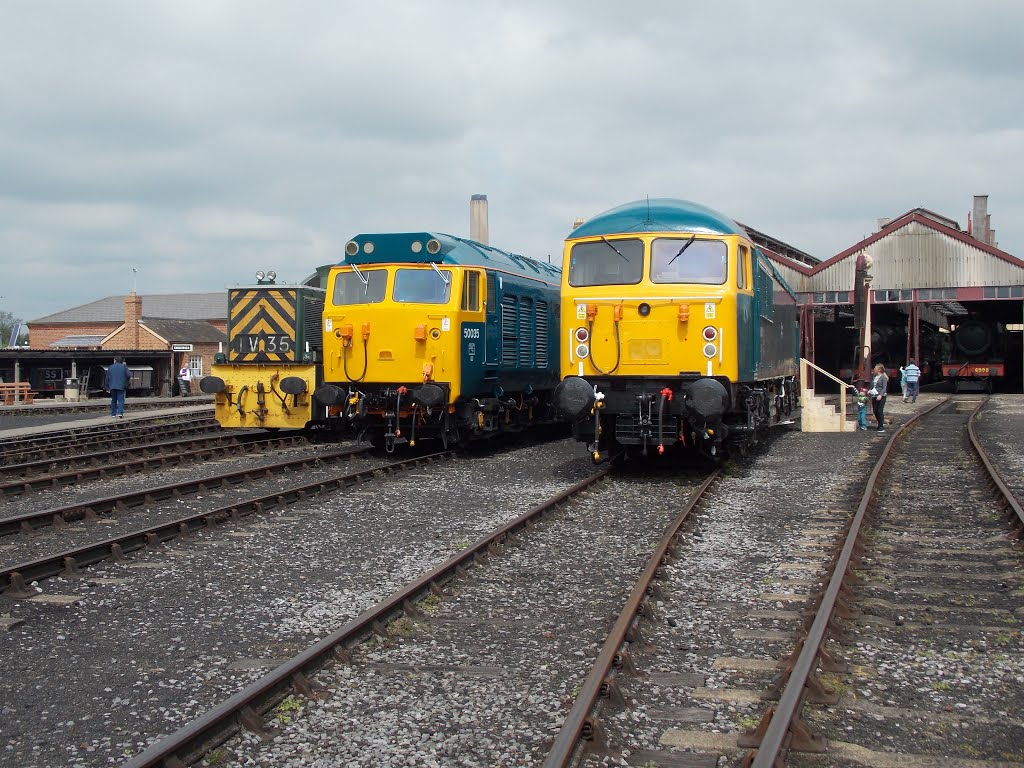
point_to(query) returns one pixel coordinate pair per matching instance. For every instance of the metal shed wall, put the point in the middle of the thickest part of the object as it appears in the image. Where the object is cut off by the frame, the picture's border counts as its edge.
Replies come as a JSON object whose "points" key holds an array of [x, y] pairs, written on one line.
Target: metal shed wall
{"points": [[917, 256]]}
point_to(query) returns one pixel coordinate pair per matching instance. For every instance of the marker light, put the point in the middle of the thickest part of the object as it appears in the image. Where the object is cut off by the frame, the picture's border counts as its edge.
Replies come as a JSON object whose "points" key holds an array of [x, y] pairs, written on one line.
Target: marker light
{"points": [[582, 335], [582, 350], [710, 350], [709, 332]]}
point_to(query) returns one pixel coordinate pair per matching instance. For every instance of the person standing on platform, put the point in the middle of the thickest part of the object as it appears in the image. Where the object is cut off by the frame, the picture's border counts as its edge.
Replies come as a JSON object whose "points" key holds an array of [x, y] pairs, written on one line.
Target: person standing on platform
{"points": [[878, 392], [913, 376], [185, 379], [116, 383]]}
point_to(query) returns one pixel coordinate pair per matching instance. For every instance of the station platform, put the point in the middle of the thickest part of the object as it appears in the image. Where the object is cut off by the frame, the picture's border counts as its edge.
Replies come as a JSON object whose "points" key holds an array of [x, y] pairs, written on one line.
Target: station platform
{"points": [[54, 415]]}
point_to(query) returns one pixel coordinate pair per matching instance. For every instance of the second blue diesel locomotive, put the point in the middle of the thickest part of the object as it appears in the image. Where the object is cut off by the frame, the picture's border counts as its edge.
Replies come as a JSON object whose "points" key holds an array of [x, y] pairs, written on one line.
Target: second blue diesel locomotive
{"points": [[679, 331], [428, 335]]}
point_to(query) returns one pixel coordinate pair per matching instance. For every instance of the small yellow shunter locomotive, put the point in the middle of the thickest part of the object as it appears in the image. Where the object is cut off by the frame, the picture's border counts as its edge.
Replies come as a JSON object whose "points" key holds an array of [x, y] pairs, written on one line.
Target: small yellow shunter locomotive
{"points": [[272, 365]]}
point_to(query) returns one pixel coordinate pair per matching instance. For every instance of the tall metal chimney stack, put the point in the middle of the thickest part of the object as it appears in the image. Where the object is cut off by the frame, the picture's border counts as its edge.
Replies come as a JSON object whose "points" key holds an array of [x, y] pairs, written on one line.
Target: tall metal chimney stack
{"points": [[980, 218], [478, 219]]}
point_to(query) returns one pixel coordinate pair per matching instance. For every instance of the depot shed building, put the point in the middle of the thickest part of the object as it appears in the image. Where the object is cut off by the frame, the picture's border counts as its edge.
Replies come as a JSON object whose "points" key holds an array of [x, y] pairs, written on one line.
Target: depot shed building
{"points": [[928, 275]]}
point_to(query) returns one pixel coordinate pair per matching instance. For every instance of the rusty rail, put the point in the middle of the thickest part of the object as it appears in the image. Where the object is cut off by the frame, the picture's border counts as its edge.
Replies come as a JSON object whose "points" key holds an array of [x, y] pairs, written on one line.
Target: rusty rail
{"points": [[13, 580], [245, 708], [1008, 496], [781, 722], [579, 725]]}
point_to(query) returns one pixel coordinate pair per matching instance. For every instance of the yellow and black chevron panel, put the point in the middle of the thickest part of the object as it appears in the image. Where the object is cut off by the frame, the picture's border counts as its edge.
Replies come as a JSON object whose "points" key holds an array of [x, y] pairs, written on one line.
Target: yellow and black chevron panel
{"points": [[262, 325]]}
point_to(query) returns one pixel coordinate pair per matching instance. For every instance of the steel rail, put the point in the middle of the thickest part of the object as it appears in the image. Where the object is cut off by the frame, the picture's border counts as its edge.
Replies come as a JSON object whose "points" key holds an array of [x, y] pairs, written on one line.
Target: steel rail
{"points": [[13, 580], [1009, 498], [31, 521], [243, 709], [77, 436], [782, 716], [579, 724], [30, 469], [181, 450], [15, 460]]}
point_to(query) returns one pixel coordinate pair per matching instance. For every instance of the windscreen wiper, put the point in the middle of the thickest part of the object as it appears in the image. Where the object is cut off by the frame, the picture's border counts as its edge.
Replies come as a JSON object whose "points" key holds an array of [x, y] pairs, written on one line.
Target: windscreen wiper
{"points": [[686, 245], [606, 242], [444, 278]]}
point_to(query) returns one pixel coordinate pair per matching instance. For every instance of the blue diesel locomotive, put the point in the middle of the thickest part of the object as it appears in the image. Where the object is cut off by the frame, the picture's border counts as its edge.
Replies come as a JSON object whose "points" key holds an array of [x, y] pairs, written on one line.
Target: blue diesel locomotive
{"points": [[428, 335], [678, 330]]}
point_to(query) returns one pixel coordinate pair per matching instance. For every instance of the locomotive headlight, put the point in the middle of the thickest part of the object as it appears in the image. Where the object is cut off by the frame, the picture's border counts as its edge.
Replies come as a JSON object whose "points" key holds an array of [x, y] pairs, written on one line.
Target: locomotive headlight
{"points": [[260, 274], [644, 309], [582, 350], [582, 335], [710, 350], [272, 275], [433, 246], [351, 248], [709, 333]]}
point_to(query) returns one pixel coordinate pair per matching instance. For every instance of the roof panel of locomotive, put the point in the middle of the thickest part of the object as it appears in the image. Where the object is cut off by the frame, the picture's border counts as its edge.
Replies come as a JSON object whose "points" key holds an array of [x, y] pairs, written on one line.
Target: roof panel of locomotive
{"points": [[397, 248], [658, 215]]}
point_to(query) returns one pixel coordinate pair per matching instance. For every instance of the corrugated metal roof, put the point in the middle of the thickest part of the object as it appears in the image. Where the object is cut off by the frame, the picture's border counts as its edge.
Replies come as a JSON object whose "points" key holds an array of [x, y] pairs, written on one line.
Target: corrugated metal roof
{"points": [[175, 306], [77, 341], [916, 251], [191, 331]]}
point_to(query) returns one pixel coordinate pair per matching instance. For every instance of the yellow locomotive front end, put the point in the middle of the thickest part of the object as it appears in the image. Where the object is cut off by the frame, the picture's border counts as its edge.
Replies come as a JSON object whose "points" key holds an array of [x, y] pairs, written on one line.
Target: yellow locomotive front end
{"points": [[658, 302], [393, 324], [267, 377], [633, 307]]}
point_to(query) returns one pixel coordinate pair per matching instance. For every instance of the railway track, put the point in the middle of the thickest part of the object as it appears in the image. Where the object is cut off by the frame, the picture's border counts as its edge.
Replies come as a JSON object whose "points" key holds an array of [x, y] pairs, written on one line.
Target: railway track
{"points": [[117, 434], [92, 509], [68, 562], [936, 584], [450, 630], [55, 473], [179, 628], [897, 648]]}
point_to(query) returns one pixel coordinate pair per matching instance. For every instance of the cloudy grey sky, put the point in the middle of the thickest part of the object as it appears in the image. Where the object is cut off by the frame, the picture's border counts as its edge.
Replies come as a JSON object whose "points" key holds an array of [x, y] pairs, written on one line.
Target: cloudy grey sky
{"points": [[199, 141]]}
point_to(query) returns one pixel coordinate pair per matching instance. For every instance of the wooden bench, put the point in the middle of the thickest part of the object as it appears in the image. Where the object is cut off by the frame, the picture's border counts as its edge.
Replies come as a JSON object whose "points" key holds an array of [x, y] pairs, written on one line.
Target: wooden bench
{"points": [[21, 388]]}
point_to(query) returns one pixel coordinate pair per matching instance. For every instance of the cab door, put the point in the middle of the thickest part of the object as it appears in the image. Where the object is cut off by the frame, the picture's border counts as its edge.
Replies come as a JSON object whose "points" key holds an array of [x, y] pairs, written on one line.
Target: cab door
{"points": [[492, 323]]}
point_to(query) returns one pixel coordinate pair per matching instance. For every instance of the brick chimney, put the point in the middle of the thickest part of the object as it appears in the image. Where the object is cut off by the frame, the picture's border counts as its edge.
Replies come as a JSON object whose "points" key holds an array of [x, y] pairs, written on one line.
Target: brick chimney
{"points": [[132, 316]]}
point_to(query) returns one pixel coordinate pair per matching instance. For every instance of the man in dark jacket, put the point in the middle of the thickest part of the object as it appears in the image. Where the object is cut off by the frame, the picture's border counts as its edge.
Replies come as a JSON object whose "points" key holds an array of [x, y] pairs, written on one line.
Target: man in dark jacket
{"points": [[117, 383]]}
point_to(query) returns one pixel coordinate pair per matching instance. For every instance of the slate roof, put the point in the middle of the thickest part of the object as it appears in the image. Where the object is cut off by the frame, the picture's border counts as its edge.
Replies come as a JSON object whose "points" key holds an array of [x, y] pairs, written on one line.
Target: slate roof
{"points": [[191, 331], [173, 306]]}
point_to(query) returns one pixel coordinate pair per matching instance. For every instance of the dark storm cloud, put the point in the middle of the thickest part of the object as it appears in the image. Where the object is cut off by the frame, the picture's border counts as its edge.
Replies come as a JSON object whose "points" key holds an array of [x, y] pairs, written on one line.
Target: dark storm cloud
{"points": [[199, 142]]}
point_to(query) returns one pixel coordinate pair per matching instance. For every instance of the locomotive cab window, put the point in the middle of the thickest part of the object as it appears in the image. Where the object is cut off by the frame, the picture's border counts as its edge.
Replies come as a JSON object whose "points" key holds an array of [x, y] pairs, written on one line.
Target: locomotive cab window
{"points": [[471, 291], [743, 268], [422, 286], [366, 286], [689, 260], [607, 262], [492, 304]]}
